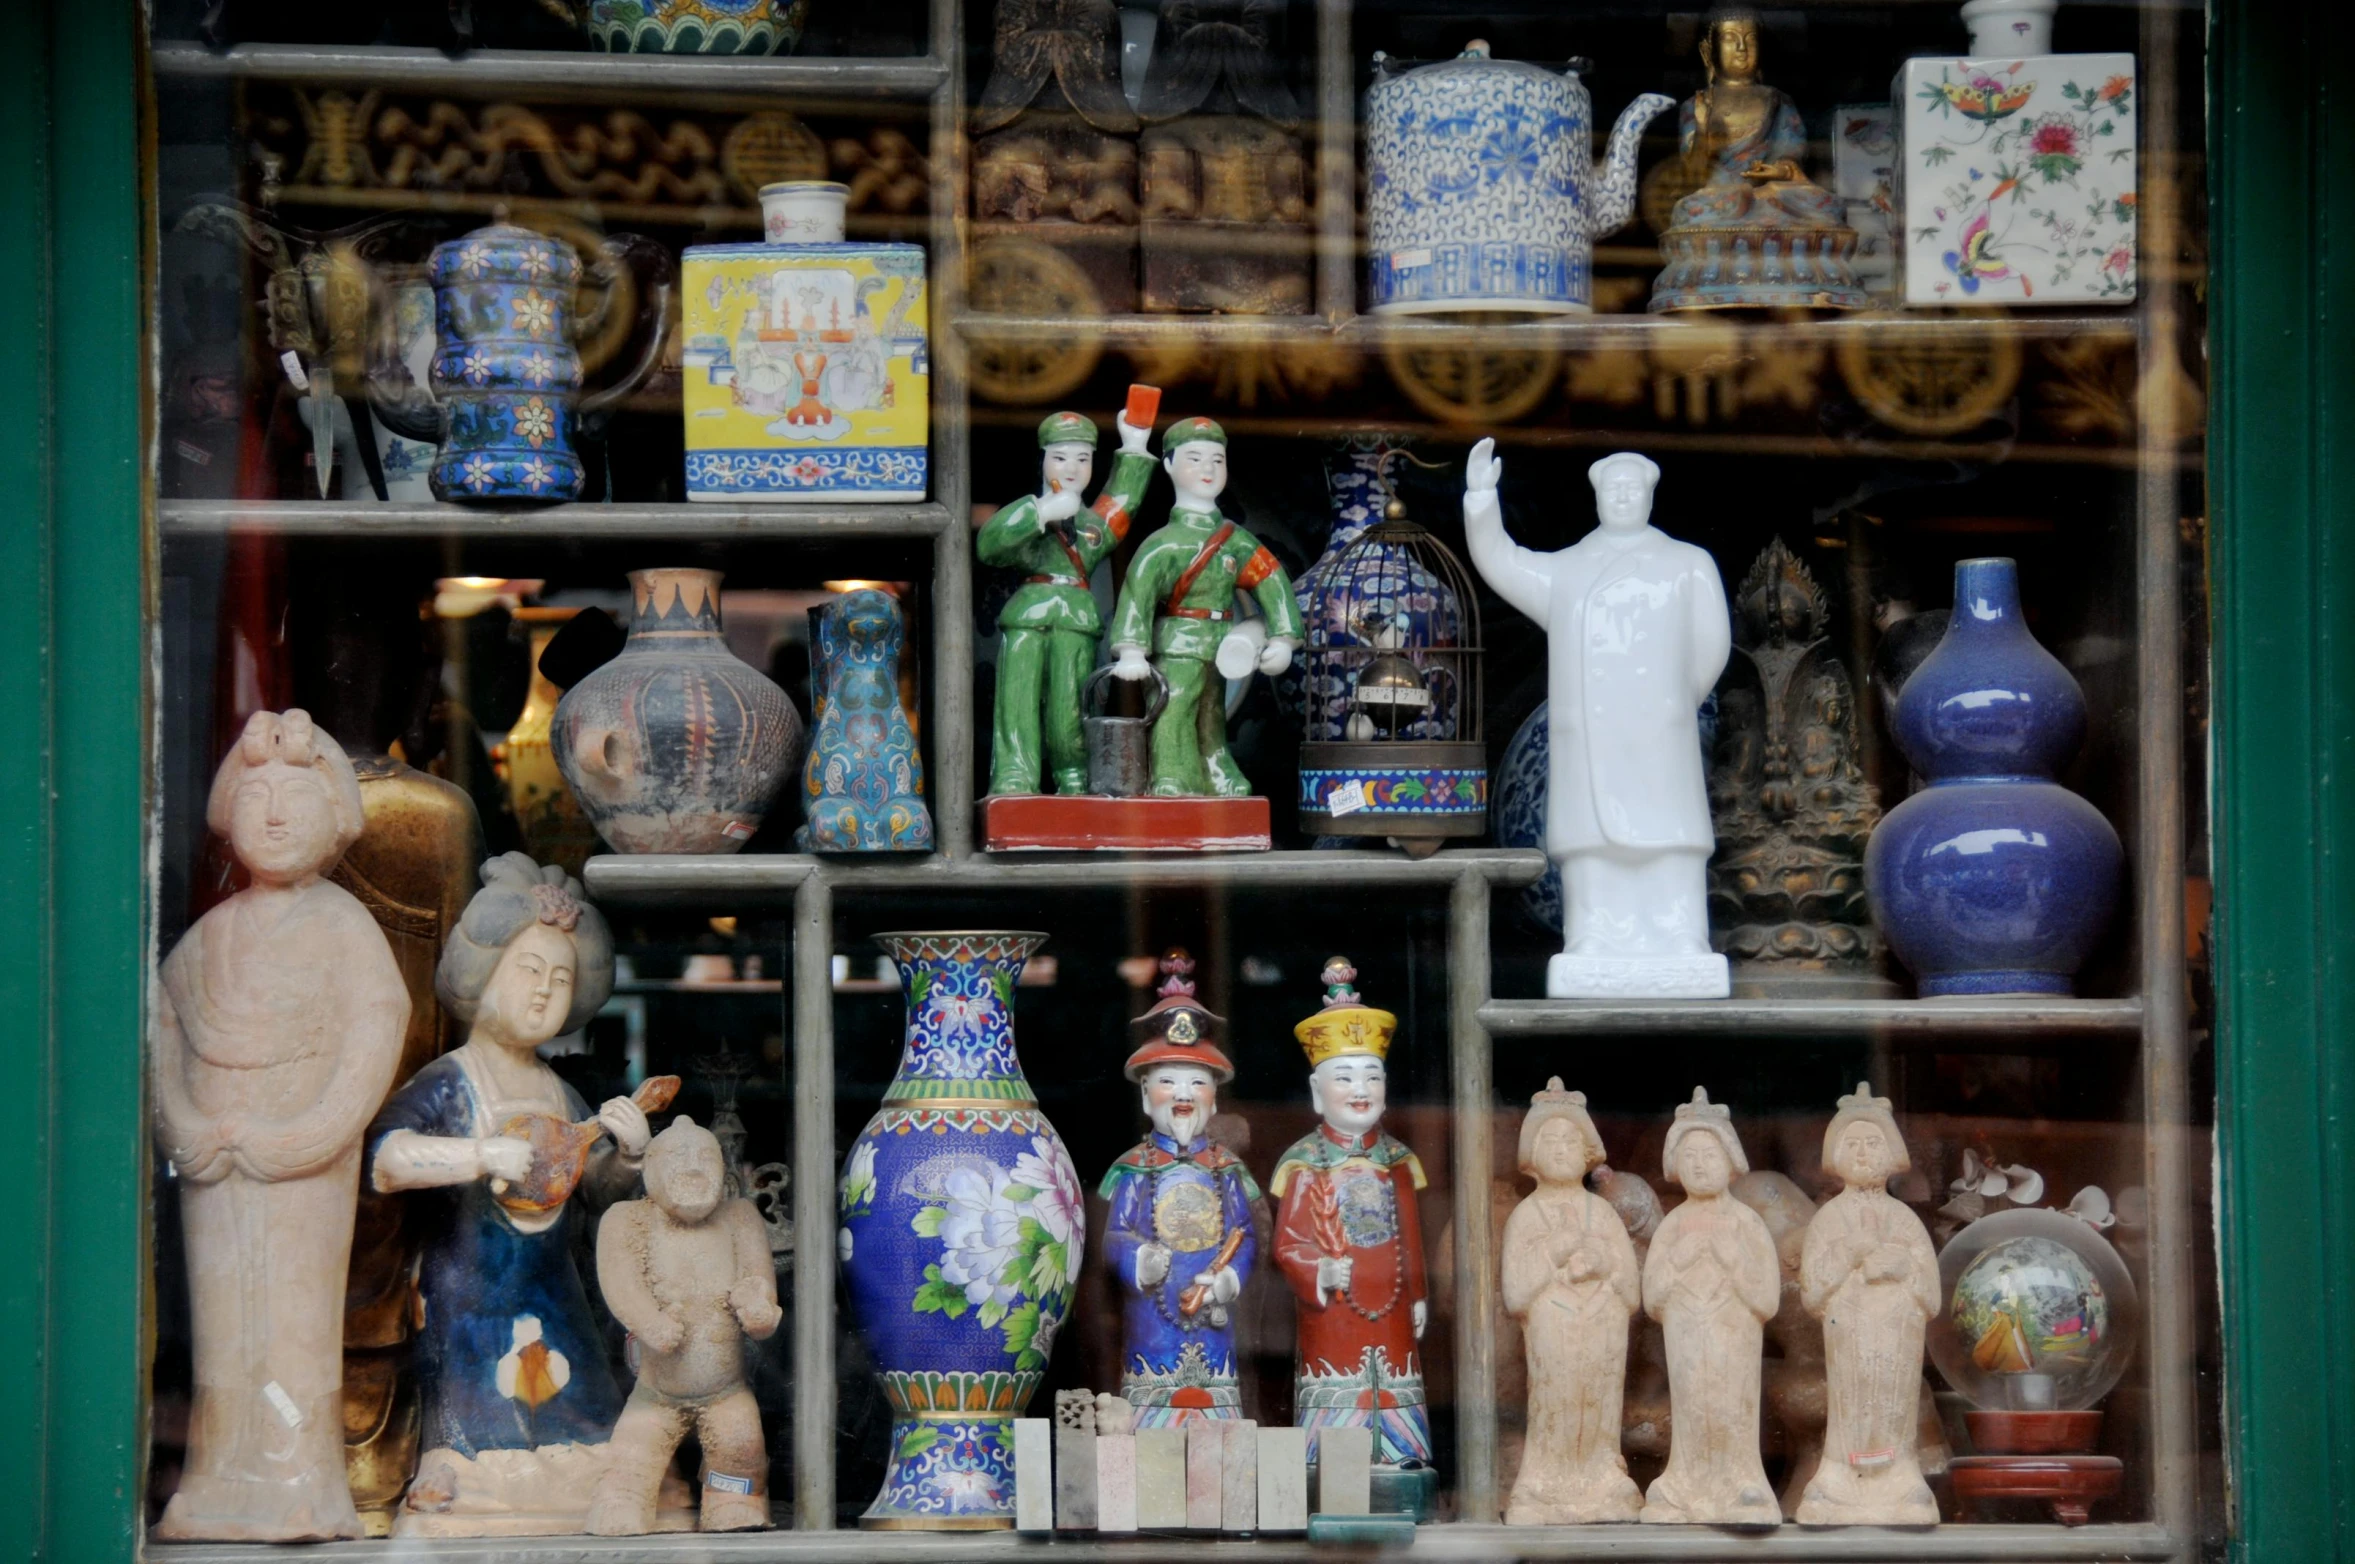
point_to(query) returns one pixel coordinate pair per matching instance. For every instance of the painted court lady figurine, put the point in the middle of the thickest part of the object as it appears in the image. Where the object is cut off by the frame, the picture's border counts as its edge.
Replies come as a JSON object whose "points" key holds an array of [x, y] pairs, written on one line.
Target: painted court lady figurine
{"points": [[1570, 1278], [278, 1022], [1712, 1282]]}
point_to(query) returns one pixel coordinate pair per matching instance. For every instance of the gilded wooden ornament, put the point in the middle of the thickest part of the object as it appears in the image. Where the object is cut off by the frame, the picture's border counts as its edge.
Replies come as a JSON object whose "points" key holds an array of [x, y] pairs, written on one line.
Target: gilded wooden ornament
{"points": [[1468, 381], [1936, 384]]}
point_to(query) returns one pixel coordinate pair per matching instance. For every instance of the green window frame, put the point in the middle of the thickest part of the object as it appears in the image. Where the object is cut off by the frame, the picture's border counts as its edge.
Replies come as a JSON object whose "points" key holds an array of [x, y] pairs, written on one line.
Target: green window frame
{"points": [[75, 768]]}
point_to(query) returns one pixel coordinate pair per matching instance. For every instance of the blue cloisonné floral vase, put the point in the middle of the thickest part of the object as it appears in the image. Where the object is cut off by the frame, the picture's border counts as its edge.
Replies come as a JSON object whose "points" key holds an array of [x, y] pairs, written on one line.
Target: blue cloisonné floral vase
{"points": [[504, 371], [863, 785], [962, 1230], [1993, 879]]}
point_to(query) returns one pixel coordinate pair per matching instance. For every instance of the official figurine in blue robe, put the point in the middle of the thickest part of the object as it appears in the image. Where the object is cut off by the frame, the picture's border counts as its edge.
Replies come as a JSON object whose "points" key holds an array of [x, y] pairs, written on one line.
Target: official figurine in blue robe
{"points": [[1178, 1237]]}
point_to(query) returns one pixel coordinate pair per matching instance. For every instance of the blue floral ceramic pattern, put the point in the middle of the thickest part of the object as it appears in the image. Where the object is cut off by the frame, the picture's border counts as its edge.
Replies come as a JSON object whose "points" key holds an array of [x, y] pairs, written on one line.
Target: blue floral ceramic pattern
{"points": [[504, 369], [1479, 191], [893, 470], [863, 786], [962, 1234], [696, 26], [1994, 879], [1398, 790], [1350, 589]]}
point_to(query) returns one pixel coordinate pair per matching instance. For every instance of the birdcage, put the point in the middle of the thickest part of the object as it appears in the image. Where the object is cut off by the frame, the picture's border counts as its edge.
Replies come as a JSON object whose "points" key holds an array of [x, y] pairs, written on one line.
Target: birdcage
{"points": [[1394, 635]]}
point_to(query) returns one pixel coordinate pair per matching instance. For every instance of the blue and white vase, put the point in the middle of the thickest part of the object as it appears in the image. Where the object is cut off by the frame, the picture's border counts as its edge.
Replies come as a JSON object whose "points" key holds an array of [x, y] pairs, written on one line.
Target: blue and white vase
{"points": [[1993, 879], [962, 1229], [863, 785], [1342, 598], [1479, 190]]}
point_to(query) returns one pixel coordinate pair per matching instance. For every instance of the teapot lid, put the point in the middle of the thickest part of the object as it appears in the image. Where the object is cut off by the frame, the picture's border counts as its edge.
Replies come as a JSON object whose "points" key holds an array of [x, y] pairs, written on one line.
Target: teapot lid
{"points": [[1477, 55]]}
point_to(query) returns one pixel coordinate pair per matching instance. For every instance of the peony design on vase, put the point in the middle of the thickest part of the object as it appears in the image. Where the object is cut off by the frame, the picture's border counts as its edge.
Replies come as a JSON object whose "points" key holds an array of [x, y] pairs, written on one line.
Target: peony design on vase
{"points": [[963, 1225], [1993, 879], [675, 746]]}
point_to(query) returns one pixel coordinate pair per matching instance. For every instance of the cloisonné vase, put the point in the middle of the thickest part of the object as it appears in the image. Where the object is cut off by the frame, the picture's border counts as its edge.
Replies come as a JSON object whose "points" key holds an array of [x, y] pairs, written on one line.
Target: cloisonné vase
{"points": [[1993, 879], [675, 746], [962, 1230], [505, 371], [696, 26], [863, 785]]}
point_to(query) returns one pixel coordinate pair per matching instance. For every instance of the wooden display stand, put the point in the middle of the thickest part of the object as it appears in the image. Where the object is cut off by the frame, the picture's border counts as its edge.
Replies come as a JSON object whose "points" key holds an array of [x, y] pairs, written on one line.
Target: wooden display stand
{"points": [[1058, 822], [2036, 1455]]}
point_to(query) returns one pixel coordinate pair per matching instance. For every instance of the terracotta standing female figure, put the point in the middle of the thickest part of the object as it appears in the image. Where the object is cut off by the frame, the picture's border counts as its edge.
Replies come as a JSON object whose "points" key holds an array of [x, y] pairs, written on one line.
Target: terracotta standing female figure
{"points": [[277, 1027], [1869, 1273], [1570, 1278], [1712, 1282], [517, 1390]]}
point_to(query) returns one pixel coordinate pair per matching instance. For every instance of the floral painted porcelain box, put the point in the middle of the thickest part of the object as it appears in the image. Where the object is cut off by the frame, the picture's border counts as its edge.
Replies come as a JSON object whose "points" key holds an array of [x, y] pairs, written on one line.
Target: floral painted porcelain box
{"points": [[2016, 179], [808, 370]]}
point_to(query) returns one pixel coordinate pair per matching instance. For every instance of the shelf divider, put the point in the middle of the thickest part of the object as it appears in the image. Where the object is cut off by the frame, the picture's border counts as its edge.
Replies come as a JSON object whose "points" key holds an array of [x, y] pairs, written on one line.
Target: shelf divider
{"points": [[553, 70], [654, 522], [1936, 1020]]}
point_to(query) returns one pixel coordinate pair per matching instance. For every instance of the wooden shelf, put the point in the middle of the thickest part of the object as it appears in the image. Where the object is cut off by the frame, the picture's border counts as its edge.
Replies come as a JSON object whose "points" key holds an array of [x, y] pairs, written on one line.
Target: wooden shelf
{"points": [[1929, 1021], [504, 70], [678, 881], [588, 523], [1582, 332], [1470, 1544]]}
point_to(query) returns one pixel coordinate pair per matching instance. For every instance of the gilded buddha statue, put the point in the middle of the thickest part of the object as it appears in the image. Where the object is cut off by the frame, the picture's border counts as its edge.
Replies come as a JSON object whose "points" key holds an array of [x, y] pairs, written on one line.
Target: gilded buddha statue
{"points": [[1756, 233]]}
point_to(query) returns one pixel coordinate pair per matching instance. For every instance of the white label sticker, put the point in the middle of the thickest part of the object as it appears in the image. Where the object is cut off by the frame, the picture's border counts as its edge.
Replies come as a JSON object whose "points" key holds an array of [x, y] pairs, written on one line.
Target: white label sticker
{"points": [[283, 1404], [294, 369], [721, 1482], [193, 453], [736, 831], [1401, 260], [1346, 799]]}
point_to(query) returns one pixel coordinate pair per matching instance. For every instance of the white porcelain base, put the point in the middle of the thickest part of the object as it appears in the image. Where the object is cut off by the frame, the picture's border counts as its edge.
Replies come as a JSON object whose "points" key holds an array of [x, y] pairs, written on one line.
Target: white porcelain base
{"points": [[1637, 977]]}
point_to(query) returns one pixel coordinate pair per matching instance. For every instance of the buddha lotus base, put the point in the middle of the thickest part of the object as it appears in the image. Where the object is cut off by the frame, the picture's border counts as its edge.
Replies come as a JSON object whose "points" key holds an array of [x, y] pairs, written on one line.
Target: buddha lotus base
{"points": [[1764, 267], [1062, 822]]}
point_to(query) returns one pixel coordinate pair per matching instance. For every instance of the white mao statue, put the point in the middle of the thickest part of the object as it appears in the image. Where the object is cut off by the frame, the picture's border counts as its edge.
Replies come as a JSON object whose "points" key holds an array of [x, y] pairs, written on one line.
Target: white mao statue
{"points": [[1637, 629]]}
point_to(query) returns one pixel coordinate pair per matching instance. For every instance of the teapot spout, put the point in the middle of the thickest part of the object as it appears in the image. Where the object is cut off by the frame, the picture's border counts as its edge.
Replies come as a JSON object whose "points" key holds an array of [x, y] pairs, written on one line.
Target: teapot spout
{"points": [[1614, 175]]}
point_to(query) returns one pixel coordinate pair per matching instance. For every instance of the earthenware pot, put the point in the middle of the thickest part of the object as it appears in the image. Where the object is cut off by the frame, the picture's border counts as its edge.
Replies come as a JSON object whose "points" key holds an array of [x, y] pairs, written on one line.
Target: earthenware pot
{"points": [[675, 746]]}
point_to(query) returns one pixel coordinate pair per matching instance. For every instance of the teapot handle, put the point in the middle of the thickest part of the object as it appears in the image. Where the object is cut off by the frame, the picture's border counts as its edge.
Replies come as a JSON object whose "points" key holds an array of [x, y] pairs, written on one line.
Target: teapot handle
{"points": [[652, 264]]}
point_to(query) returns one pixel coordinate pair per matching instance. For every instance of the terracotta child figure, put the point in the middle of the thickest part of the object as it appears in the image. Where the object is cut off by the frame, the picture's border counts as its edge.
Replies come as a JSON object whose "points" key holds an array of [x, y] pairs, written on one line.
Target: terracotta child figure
{"points": [[1348, 1239], [688, 1274], [517, 1391], [1048, 630], [1712, 1282], [277, 1026], [1177, 1234], [1570, 1278], [1869, 1273]]}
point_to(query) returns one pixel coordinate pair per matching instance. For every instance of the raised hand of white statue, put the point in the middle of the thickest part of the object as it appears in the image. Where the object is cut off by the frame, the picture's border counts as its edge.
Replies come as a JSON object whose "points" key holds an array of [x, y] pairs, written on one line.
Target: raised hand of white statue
{"points": [[1130, 662], [1483, 468], [1152, 1264], [1332, 1275], [626, 1122], [1131, 437], [1275, 657], [1061, 505], [504, 1156], [1421, 1314]]}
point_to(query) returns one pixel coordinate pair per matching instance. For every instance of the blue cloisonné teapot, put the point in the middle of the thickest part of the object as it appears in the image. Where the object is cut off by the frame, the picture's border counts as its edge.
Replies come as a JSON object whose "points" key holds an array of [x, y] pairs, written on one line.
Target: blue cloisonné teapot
{"points": [[1480, 192], [505, 399]]}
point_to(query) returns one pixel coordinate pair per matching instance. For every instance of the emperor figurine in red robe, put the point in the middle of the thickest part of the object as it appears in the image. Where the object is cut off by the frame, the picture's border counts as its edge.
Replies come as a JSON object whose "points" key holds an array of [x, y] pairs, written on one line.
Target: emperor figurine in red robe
{"points": [[1348, 1239]]}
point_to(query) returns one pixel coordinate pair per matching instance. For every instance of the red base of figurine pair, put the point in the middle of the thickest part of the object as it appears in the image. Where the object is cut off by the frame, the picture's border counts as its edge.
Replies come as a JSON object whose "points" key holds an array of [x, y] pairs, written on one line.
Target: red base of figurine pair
{"points": [[1056, 822]]}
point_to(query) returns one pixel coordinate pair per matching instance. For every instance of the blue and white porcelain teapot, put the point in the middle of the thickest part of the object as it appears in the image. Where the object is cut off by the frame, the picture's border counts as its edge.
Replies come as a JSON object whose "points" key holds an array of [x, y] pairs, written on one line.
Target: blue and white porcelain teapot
{"points": [[1479, 192]]}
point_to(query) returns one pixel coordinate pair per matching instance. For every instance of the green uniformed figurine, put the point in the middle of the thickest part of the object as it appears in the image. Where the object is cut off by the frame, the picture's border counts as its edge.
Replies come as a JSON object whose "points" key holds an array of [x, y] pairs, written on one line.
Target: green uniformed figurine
{"points": [[1050, 626], [1179, 600]]}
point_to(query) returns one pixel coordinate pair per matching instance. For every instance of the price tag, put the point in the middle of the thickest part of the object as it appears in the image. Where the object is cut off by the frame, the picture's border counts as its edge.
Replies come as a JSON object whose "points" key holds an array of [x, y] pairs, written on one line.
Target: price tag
{"points": [[294, 370], [1405, 260], [1346, 799], [282, 1404]]}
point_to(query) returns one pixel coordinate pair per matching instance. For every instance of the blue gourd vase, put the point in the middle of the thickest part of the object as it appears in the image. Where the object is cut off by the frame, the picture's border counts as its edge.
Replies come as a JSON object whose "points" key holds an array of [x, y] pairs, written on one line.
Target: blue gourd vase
{"points": [[963, 1225], [1993, 879], [504, 371], [863, 785]]}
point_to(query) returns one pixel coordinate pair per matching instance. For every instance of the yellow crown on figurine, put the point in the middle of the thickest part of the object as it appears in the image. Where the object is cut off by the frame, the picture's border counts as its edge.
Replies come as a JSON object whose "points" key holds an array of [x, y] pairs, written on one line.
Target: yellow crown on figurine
{"points": [[1345, 1025]]}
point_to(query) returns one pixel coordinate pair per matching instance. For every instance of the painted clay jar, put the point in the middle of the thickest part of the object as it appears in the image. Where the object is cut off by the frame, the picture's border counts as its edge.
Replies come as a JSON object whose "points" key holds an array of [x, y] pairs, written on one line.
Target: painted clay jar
{"points": [[1993, 879], [1479, 190], [962, 1226], [863, 785], [675, 746], [696, 26]]}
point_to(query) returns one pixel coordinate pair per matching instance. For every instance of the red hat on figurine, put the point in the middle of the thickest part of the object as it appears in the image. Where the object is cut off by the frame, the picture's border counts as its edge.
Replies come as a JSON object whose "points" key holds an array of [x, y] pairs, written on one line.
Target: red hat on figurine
{"points": [[1177, 1030]]}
